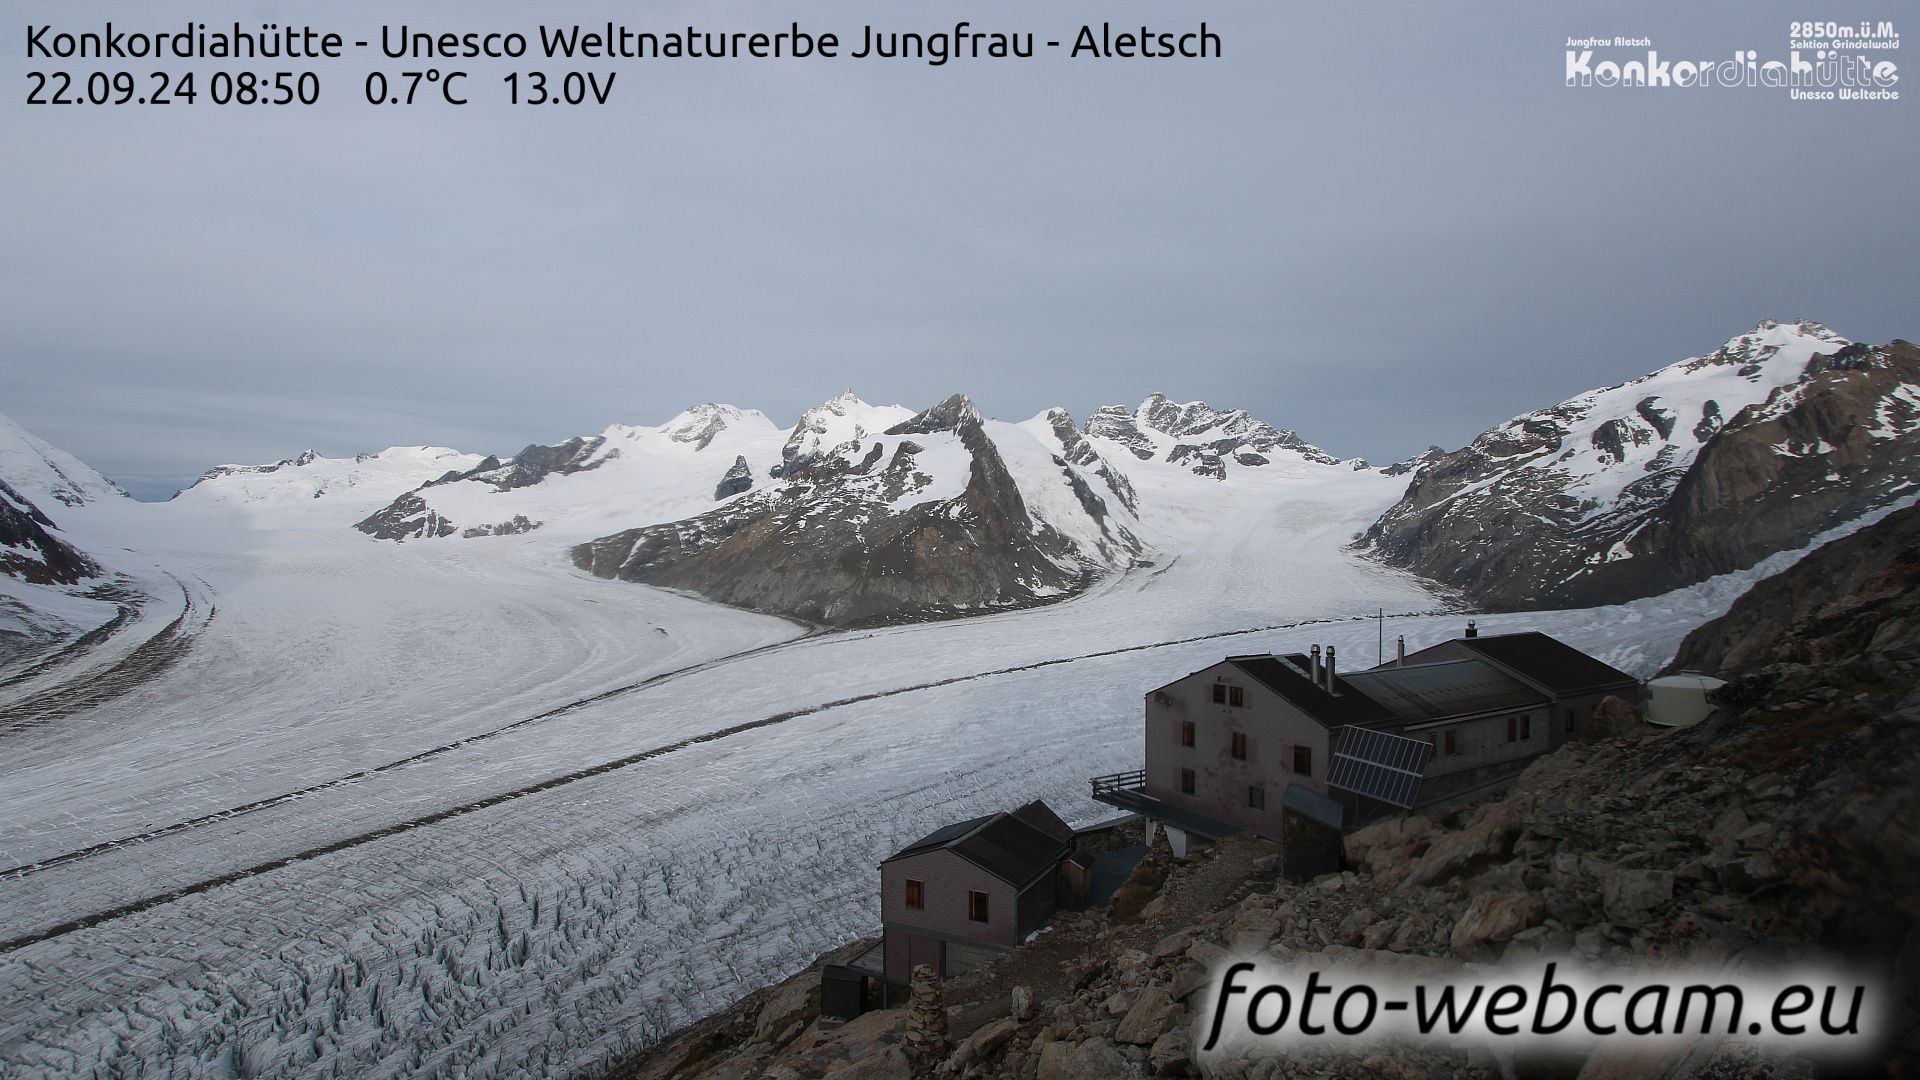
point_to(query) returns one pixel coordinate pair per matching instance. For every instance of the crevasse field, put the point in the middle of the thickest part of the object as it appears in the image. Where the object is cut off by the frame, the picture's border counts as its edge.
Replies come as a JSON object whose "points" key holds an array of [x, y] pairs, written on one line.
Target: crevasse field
{"points": [[333, 806]]}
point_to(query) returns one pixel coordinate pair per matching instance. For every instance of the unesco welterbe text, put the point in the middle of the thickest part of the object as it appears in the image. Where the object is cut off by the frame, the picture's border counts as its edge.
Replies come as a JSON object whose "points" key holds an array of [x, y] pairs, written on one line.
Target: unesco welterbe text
{"points": [[937, 47]]}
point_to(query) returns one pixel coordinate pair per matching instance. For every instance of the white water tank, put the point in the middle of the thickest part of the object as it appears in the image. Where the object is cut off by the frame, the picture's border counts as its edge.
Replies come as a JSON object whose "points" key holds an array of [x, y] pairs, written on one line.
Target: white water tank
{"points": [[1680, 700]]}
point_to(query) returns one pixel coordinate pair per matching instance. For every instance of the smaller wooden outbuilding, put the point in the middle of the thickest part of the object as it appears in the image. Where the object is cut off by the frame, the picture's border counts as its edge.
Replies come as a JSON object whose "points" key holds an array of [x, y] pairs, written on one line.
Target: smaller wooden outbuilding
{"points": [[961, 894]]}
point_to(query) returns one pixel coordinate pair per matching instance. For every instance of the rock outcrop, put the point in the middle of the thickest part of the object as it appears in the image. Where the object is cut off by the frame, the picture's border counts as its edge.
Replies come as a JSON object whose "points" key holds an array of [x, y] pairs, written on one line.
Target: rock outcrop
{"points": [[1839, 607], [406, 518], [739, 478], [30, 551]]}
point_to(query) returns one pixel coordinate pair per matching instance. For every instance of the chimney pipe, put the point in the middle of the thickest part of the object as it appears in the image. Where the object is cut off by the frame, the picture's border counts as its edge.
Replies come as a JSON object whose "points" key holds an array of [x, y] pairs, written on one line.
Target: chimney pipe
{"points": [[1329, 669], [1472, 630], [1400, 651], [1313, 667]]}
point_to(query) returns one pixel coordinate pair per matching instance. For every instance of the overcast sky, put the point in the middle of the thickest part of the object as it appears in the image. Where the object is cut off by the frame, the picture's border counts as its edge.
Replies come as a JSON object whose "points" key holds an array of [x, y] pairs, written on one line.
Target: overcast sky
{"points": [[1384, 225]]}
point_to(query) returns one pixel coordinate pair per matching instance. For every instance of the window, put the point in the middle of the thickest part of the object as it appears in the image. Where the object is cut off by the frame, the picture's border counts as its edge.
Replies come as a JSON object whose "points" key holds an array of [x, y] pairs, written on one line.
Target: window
{"points": [[1569, 721], [1513, 728], [1257, 797], [916, 895], [1186, 781], [976, 906], [1526, 727], [1236, 696], [1303, 760], [1453, 744], [1239, 746], [1219, 693], [1186, 733]]}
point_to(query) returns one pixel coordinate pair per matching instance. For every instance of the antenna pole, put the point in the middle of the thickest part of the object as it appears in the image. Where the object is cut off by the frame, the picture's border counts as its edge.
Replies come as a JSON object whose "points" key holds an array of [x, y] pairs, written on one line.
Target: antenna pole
{"points": [[1380, 646]]}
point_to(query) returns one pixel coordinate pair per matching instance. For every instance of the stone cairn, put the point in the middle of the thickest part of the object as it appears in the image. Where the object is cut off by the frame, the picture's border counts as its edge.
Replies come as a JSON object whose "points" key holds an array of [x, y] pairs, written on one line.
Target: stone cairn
{"points": [[926, 1036]]}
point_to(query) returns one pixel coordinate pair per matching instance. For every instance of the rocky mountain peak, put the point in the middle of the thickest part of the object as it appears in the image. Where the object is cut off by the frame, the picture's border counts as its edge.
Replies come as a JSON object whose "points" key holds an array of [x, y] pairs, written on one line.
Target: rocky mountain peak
{"points": [[1699, 468], [1771, 338], [1197, 435], [831, 424], [700, 424], [952, 414]]}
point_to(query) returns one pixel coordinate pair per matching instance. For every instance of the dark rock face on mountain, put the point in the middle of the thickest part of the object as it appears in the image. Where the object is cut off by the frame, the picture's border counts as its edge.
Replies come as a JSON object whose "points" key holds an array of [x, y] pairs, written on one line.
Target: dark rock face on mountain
{"points": [[1078, 451], [406, 518], [409, 517], [701, 424], [29, 550], [534, 464], [1198, 436], [739, 478], [1852, 607], [1415, 463], [950, 415], [832, 545], [518, 523], [1699, 469]]}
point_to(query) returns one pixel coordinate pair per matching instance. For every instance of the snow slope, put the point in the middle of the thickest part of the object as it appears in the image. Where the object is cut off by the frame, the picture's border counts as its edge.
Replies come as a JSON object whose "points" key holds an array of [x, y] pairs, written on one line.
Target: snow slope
{"points": [[344, 488], [49, 475]]}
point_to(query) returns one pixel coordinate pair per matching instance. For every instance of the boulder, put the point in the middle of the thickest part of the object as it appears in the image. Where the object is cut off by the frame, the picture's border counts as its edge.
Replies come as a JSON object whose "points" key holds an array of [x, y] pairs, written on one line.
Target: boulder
{"points": [[1495, 917], [984, 1043], [1147, 1020], [1173, 944], [1385, 841], [1416, 932], [1615, 717], [888, 1064], [1629, 897], [1488, 840], [1054, 1056], [796, 1002], [1094, 1059], [1171, 1053], [1189, 978]]}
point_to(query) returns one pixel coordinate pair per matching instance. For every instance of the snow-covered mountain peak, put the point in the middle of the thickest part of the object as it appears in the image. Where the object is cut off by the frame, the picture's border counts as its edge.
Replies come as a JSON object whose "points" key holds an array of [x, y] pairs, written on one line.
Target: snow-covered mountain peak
{"points": [[699, 425], [45, 473], [1772, 343], [832, 424], [1198, 436], [1606, 491]]}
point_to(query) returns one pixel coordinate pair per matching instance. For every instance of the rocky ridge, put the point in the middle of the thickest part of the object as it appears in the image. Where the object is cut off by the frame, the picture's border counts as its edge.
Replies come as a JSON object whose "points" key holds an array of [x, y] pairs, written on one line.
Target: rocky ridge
{"points": [[30, 551], [1199, 437], [1701, 468]]}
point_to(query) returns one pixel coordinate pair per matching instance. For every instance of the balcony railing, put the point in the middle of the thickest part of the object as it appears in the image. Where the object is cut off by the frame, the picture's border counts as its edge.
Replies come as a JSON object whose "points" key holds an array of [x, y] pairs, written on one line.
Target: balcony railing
{"points": [[1118, 782]]}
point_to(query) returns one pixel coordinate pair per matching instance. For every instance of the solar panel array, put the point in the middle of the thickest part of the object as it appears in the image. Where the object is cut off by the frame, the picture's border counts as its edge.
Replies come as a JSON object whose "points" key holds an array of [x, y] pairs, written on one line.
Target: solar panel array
{"points": [[1379, 766]]}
